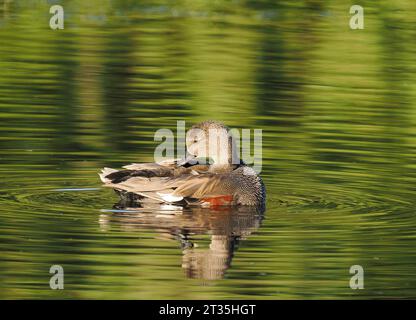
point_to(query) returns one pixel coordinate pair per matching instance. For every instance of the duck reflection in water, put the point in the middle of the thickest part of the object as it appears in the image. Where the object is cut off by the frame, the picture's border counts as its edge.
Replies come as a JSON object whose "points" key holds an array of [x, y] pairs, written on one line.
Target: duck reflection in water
{"points": [[226, 226]]}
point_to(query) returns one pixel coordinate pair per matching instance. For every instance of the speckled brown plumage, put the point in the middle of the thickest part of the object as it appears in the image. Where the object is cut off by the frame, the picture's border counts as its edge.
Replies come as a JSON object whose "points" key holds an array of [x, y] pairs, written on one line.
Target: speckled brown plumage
{"points": [[222, 183]]}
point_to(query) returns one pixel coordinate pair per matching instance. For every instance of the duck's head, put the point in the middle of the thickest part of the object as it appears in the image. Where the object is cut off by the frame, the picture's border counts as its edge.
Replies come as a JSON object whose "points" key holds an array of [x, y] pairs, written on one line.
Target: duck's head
{"points": [[212, 140]]}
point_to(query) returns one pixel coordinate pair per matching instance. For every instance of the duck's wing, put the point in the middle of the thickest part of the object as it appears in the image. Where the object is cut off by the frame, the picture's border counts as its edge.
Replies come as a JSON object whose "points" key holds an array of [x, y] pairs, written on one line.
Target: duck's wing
{"points": [[170, 163], [143, 179], [127, 174], [140, 185], [204, 185], [193, 186], [194, 182], [201, 189], [166, 168]]}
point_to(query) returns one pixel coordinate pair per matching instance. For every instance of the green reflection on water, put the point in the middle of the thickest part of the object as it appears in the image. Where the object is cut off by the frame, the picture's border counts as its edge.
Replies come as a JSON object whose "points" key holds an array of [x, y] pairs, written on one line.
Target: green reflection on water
{"points": [[337, 109]]}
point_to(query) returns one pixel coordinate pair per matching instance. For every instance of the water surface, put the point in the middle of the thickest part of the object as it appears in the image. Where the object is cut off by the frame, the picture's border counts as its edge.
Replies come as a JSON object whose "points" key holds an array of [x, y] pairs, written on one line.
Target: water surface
{"points": [[338, 112]]}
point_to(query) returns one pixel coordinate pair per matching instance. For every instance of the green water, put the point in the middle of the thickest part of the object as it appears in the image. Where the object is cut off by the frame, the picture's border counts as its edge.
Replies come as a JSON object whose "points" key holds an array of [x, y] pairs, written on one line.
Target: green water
{"points": [[338, 112]]}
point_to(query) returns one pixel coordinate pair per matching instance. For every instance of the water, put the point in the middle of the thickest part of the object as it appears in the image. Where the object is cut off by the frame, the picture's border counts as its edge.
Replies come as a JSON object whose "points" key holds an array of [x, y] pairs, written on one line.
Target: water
{"points": [[337, 109]]}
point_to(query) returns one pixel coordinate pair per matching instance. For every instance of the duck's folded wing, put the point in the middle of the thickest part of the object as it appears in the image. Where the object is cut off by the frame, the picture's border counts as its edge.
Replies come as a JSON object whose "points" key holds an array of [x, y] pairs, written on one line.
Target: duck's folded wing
{"points": [[170, 163], [203, 186], [170, 188], [142, 184], [145, 187], [125, 175]]}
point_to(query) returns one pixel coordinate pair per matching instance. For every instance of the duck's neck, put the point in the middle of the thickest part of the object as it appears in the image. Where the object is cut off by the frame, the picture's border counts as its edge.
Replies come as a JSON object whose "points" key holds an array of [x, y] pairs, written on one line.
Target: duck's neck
{"points": [[224, 161]]}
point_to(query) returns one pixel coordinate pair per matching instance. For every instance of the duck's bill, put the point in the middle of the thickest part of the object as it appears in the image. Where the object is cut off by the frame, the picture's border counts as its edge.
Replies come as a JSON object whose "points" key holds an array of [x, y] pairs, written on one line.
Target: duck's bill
{"points": [[189, 160]]}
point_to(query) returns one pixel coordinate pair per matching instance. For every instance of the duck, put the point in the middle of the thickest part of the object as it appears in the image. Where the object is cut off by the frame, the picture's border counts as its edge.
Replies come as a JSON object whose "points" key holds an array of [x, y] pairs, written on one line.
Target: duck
{"points": [[224, 180]]}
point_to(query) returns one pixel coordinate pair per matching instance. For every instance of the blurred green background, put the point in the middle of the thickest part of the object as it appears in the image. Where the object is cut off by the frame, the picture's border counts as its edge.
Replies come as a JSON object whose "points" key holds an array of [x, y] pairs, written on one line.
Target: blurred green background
{"points": [[338, 112]]}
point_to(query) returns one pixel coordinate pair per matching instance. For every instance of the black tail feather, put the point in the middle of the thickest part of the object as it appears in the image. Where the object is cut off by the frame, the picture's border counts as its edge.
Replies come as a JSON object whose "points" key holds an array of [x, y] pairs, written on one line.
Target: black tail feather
{"points": [[123, 175]]}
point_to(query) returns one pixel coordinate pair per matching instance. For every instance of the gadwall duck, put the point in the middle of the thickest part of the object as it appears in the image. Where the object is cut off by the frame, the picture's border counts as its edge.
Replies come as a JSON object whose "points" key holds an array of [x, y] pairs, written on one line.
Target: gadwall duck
{"points": [[226, 180]]}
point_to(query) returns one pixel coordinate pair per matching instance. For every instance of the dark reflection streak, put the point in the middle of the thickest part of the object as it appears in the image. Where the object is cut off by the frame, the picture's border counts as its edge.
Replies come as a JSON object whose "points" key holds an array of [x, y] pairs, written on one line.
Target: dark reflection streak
{"points": [[65, 124], [176, 65], [128, 63], [396, 103], [274, 86], [280, 86], [284, 56], [117, 76], [5, 8]]}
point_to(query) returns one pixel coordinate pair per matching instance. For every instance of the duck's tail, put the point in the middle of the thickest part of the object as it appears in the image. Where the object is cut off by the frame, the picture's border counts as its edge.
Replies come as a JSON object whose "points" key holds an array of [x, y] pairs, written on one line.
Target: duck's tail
{"points": [[129, 192], [105, 172]]}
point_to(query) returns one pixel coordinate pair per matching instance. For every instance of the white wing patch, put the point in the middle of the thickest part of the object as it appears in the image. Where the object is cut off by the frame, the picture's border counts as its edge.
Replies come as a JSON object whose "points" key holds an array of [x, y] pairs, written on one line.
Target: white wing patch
{"points": [[168, 197], [105, 172]]}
